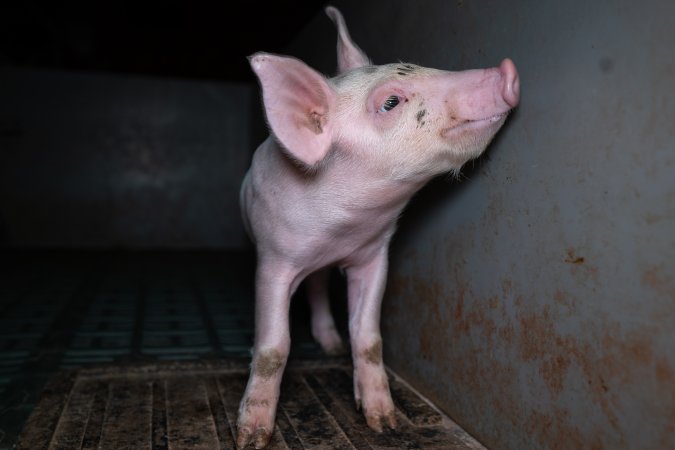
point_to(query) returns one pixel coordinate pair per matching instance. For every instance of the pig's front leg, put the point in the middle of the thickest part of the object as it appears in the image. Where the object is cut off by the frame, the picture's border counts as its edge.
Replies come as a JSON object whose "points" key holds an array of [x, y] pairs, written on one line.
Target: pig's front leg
{"points": [[323, 325], [274, 286], [371, 386]]}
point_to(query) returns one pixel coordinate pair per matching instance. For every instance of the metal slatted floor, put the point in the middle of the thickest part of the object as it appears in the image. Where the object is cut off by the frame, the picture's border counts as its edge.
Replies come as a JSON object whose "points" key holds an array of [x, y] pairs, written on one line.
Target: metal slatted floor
{"points": [[150, 350]]}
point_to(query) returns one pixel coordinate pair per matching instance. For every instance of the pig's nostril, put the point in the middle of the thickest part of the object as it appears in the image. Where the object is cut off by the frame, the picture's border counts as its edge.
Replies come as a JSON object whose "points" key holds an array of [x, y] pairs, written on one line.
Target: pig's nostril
{"points": [[511, 87]]}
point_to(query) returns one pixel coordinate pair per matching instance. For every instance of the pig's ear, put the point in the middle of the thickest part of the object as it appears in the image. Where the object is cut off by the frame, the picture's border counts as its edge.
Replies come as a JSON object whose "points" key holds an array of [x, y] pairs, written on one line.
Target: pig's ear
{"points": [[350, 56], [298, 102]]}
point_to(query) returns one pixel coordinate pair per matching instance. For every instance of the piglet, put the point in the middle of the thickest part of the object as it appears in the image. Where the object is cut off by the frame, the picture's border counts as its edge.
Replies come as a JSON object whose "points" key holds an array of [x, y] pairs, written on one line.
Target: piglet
{"points": [[344, 157]]}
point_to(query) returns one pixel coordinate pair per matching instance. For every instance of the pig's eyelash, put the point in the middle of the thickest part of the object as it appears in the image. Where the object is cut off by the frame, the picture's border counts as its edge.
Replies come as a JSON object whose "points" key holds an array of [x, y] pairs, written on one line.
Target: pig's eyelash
{"points": [[390, 103]]}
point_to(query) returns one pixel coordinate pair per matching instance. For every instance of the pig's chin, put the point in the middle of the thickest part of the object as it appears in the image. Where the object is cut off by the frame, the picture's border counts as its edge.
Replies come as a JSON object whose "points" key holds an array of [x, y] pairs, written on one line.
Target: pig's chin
{"points": [[488, 125], [470, 138]]}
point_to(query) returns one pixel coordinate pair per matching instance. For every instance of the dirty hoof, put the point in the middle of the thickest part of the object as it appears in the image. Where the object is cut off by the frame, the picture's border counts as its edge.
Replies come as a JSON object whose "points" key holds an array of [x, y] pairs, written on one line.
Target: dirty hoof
{"points": [[255, 424], [259, 438], [378, 422]]}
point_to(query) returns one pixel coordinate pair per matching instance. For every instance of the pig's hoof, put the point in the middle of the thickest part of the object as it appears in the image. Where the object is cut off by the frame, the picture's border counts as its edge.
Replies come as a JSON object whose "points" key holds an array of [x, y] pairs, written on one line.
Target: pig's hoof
{"points": [[378, 409], [259, 438], [377, 422], [255, 424]]}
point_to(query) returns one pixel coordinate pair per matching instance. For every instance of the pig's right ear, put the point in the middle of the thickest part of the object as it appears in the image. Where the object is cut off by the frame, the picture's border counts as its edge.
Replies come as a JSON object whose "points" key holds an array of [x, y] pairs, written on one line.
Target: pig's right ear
{"points": [[350, 56], [298, 101]]}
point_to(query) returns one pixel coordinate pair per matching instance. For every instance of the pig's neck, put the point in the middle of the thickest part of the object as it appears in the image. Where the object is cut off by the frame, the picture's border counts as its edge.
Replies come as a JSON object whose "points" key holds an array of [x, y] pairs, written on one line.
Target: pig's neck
{"points": [[359, 187], [346, 183], [375, 193]]}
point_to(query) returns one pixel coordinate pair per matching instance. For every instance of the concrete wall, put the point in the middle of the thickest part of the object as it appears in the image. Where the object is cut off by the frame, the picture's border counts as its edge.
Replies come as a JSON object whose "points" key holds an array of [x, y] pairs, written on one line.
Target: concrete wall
{"points": [[113, 161], [535, 301]]}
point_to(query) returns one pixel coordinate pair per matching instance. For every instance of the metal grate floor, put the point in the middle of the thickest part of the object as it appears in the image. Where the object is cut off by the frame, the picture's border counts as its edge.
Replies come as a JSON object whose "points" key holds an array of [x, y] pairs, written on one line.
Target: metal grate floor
{"points": [[162, 336], [188, 405]]}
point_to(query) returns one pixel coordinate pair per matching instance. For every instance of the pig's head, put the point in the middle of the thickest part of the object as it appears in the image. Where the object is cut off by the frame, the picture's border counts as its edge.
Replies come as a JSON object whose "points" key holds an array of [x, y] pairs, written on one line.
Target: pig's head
{"points": [[403, 121]]}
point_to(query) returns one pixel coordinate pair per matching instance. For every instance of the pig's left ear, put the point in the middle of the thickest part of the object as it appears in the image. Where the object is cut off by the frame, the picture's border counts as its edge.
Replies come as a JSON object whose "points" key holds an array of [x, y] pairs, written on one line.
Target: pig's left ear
{"points": [[350, 56], [298, 101]]}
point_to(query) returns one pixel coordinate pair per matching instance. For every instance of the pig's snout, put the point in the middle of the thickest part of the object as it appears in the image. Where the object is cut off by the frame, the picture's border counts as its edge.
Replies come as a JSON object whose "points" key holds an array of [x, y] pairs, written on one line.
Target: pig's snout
{"points": [[511, 86]]}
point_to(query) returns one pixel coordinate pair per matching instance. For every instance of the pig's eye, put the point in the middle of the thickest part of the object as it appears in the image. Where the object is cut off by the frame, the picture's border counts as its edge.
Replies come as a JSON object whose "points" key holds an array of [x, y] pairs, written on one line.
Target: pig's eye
{"points": [[390, 103]]}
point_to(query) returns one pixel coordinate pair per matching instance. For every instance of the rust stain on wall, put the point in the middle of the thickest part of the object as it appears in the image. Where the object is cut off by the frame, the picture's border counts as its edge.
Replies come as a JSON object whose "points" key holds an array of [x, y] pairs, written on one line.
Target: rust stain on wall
{"points": [[553, 371], [580, 266], [665, 374], [620, 360], [554, 430], [492, 350], [573, 258], [563, 299], [430, 318], [656, 277]]}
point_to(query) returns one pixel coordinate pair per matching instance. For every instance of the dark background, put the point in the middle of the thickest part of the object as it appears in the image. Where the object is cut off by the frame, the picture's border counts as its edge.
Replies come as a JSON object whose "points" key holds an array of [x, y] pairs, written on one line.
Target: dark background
{"points": [[187, 39], [130, 125]]}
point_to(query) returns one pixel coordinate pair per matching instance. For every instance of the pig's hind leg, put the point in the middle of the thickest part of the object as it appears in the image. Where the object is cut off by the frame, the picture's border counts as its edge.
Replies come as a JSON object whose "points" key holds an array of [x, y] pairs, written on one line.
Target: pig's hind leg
{"points": [[274, 285], [366, 285], [323, 325]]}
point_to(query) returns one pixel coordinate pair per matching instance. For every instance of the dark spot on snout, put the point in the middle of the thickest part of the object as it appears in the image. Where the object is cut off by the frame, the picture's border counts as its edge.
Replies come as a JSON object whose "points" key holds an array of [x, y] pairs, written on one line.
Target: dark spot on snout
{"points": [[406, 68], [420, 114], [402, 73]]}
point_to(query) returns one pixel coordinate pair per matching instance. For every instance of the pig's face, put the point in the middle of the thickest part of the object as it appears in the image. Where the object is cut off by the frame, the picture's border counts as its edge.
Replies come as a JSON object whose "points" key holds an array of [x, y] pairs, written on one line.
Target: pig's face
{"points": [[412, 121], [403, 122]]}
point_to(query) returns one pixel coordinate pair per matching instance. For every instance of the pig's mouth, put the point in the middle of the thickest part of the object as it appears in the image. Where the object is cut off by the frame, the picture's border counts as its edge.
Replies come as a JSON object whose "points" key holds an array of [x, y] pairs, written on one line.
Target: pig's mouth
{"points": [[491, 119], [476, 124]]}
